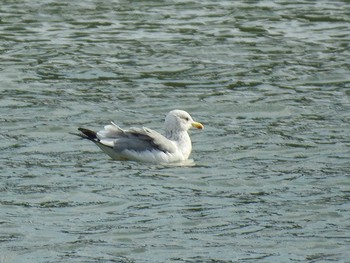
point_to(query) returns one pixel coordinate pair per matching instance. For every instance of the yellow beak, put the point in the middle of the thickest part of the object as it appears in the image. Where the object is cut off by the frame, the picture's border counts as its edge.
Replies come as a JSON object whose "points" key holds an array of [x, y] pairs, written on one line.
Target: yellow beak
{"points": [[197, 125]]}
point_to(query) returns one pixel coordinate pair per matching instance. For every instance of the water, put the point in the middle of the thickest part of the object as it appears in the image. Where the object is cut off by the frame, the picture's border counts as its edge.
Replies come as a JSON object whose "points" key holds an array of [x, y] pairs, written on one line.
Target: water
{"points": [[268, 79]]}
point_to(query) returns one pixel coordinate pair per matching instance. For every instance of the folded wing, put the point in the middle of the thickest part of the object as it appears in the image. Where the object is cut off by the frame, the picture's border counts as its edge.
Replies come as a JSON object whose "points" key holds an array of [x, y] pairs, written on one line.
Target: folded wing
{"points": [[134, 139]]}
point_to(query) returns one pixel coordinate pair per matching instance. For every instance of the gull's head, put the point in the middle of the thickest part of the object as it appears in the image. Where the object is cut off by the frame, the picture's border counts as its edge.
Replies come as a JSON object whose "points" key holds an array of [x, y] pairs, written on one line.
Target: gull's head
{"points": [[180, 120]]}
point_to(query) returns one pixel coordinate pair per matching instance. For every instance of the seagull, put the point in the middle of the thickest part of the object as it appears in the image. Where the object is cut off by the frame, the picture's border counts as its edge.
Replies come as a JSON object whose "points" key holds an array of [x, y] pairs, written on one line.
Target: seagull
{"points": [[144, 144]]}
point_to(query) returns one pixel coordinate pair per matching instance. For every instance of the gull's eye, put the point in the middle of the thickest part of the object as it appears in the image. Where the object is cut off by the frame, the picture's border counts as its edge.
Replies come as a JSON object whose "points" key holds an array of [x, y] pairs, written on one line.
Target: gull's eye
{"points": [[184, 118]]}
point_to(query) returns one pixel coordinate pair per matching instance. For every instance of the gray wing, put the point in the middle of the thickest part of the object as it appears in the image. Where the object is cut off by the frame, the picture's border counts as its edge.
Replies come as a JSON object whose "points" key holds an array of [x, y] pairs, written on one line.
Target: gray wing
{"points": [[135, 139], [144, 140]]}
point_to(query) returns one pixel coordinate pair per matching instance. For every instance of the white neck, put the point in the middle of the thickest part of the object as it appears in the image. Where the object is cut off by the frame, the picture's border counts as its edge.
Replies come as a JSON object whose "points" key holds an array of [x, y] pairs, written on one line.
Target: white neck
{"points": [[182, 139]]}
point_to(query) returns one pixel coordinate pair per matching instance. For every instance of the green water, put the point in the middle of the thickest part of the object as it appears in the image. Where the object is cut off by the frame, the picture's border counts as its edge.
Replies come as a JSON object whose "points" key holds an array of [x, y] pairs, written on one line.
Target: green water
{"points": [[268, 79]]}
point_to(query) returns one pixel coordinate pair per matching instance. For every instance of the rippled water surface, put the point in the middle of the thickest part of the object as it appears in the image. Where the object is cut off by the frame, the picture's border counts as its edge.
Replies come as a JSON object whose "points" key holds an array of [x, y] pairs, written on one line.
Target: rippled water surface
{"points": [[270, 80]]}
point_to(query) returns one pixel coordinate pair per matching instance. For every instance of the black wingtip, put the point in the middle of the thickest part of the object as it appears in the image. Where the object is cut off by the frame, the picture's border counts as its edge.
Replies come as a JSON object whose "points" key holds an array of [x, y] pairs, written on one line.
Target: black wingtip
{"points": [[88, 134]]}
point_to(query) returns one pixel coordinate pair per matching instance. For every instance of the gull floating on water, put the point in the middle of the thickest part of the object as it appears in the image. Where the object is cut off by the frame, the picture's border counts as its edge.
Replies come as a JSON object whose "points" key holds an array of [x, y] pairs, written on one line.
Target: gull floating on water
{"points": [[144, 144]]}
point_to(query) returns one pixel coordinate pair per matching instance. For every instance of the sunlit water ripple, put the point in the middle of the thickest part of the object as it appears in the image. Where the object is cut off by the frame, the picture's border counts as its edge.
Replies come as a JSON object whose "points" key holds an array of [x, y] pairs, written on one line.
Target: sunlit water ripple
{"points": [[268, 79]]}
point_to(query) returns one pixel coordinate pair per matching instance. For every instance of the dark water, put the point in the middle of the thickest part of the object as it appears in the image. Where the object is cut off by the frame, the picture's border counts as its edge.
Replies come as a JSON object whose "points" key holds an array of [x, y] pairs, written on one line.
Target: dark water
{"points": [[270, 81]]}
